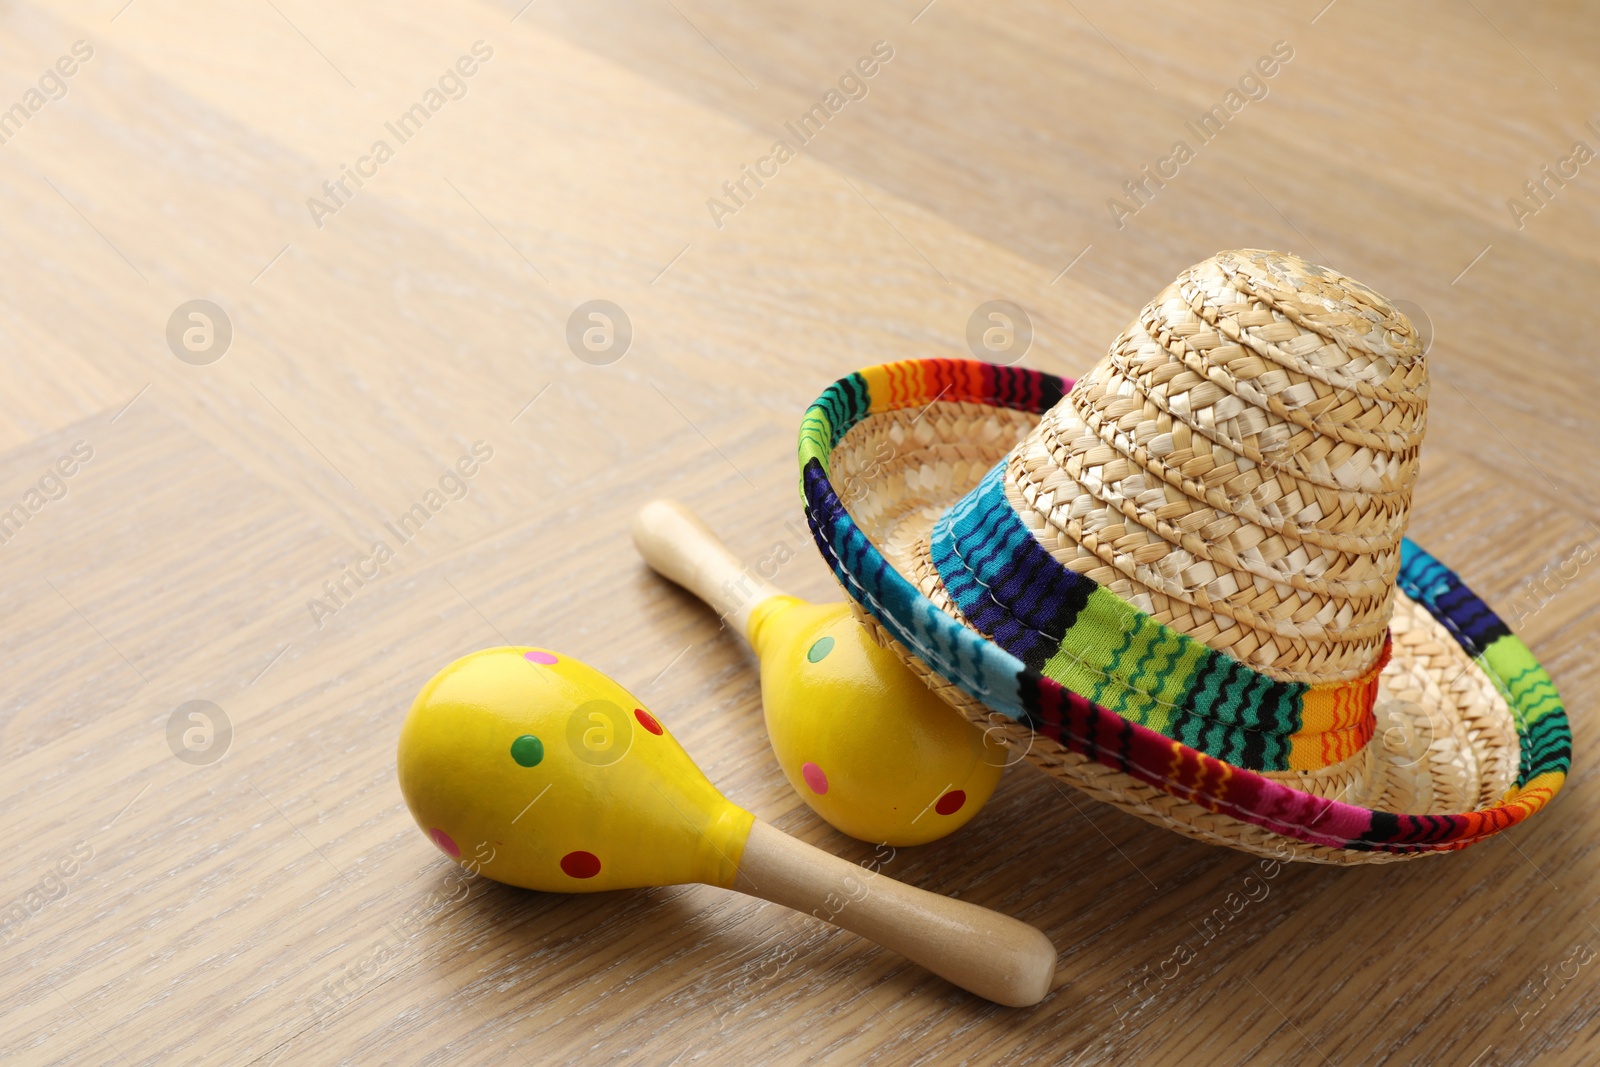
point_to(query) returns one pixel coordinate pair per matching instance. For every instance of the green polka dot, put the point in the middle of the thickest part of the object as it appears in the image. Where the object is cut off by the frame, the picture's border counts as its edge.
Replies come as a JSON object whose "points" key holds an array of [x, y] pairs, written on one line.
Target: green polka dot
{"points": [[527, 750], [820, 650]]}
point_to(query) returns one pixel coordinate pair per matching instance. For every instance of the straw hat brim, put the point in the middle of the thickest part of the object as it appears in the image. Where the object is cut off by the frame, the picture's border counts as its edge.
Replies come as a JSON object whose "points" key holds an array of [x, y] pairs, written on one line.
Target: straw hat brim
{"points": [[1471, 736]]}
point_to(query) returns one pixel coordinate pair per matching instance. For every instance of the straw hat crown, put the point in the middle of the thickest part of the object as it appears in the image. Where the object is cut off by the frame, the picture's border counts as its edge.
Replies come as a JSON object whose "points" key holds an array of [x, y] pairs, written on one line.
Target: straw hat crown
{"points": [[1239, 465]]}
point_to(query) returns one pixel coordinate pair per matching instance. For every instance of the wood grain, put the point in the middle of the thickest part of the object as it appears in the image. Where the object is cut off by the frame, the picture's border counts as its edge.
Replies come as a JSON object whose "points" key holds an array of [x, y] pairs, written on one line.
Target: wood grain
{"points": [[277, 905]]}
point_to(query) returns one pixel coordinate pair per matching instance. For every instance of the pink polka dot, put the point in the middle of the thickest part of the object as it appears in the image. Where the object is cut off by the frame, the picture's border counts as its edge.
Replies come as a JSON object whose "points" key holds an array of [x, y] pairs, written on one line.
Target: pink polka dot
{"points": [[951, 802], [814, 778], [537, 656], [580, 864], [445, 843], [647, 720]]}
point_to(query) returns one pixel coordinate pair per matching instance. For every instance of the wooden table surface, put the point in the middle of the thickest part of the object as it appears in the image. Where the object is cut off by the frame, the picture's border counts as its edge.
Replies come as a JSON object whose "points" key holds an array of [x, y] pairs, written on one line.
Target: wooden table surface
{"points": [[260, 895]]}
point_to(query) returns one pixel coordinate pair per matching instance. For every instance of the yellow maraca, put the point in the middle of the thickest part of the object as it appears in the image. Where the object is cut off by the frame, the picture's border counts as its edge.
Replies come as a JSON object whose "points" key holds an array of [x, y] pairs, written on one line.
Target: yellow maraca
{"points": [[861, 739], [539, 771]]}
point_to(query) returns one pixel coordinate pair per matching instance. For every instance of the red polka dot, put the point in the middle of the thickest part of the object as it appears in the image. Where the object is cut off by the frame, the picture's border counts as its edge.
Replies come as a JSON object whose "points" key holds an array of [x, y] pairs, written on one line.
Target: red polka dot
{"points": [[446, 844], [647, 720], [814, 778], [581, 864], [537, 656], [951, 802]]}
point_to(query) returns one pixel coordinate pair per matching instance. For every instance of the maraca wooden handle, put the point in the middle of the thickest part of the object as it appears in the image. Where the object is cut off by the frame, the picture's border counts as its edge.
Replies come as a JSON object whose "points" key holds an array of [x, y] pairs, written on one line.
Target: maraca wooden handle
{"points": [[674, 541], [997, 957]]}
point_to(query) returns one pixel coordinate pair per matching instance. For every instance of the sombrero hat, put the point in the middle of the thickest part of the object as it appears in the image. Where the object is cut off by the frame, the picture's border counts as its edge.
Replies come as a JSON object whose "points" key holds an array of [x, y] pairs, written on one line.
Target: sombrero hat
{"points": [[1182, 584]]}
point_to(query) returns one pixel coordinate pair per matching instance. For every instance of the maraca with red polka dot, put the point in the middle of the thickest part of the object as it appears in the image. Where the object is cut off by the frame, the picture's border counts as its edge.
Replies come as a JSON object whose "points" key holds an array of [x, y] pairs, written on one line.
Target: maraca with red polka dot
{"points": [[551, 776]]}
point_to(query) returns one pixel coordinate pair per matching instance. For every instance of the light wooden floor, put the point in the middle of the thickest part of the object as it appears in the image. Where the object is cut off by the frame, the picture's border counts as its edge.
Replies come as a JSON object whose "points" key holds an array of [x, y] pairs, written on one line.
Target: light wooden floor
{"points": [[277, 905]]}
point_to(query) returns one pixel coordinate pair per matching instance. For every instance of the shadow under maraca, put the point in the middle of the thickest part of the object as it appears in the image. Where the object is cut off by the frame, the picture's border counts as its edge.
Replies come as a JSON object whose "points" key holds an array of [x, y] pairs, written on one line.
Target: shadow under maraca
{"points": [[1143, 919], [734, 957], [735, 951], [559, 918]]}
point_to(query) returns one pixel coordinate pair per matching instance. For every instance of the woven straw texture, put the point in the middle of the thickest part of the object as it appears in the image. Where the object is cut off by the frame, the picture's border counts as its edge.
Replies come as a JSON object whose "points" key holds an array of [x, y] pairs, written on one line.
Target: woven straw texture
{"points": [[1240, 465], [1236, 473]]}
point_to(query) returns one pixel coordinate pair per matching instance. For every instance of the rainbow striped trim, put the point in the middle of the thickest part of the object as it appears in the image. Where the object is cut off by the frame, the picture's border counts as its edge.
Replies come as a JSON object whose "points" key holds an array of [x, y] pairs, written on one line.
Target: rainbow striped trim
{"points": [[914, 383], [1005, 682], [1069, 628]]}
